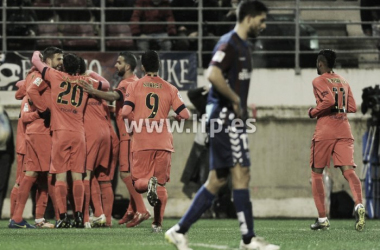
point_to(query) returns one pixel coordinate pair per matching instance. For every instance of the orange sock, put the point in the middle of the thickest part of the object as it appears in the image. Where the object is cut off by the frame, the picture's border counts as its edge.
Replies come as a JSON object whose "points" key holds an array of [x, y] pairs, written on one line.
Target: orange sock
{"points": [[14, 194], [355, 185], [51, 192], [41, 200], [23, 194], [87, 197], [107, 200], [61, 196], [78, 193], [96, 197], [159, 208], [137, 198], [318, 193]]}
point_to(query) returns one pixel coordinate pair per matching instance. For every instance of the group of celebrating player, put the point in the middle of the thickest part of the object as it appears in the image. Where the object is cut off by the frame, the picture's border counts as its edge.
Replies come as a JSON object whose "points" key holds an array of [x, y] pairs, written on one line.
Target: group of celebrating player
{"points": [[66, 143]]}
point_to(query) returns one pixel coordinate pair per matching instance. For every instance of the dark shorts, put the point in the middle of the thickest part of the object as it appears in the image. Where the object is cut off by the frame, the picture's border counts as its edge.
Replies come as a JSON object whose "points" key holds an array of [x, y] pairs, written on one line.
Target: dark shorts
{"points": [[228, 139]]}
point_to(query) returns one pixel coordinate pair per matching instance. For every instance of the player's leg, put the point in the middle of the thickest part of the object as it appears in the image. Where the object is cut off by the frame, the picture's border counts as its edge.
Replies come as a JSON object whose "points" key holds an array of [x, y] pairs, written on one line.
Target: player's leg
{"points": [[343, 157], [107, 200], [99, 218], [26, 184], [19, 176], [51, 192], [87, 198], [319, 158], [202, 201], [41, 201], [125, 163], [162, 165]]}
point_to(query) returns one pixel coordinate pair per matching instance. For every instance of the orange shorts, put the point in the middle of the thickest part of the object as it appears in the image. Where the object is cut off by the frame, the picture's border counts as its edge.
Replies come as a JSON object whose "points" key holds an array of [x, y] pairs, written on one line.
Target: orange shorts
{"points": [[98, 147], [38, 151], [68, 152], [342, 151], [150, 163], [106, 174], [20, 168], [125, 156]]}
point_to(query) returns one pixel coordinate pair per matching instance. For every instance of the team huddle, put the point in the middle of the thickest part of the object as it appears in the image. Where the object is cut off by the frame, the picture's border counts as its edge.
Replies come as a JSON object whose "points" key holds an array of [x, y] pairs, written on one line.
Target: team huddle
{"points": [[67, 145]]}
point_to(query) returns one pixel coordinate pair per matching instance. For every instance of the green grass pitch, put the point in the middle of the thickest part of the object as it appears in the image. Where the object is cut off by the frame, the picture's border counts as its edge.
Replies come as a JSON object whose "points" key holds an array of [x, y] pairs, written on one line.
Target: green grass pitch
{"points": [[205, 234]]}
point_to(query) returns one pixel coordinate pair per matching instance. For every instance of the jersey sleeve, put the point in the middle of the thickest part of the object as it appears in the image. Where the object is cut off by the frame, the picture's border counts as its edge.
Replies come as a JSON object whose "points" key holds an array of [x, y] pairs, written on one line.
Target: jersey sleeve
{"points": [[129, 101], [351, 104], [223, 57], [122, 90], [28, 115], [324, 96], [21, 92], [177, 102], [38, 85]]}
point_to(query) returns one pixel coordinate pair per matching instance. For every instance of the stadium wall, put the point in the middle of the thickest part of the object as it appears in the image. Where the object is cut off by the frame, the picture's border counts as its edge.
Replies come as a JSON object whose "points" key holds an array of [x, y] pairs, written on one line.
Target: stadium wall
{"points": [[280, 147]]}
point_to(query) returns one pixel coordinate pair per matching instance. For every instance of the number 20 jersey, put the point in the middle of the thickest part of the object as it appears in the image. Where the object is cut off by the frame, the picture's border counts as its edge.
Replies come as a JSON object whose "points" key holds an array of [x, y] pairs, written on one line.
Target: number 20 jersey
{"points": [[332, 123], [68, 100]]}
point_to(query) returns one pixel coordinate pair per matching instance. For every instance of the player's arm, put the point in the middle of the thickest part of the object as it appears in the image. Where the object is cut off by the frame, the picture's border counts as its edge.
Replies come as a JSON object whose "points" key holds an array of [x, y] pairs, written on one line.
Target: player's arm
{"points": [[105, 85], [108, 96], [351, 104], [129, 102], [36, 61], [34, 91], [327, 99], [178, 106], [215, 76], [28, 115], [21, 92]]}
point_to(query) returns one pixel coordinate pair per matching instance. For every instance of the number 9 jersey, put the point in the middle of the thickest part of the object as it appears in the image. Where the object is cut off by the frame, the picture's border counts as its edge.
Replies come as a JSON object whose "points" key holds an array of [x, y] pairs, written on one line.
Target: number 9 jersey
{"points": [[334, 100]]}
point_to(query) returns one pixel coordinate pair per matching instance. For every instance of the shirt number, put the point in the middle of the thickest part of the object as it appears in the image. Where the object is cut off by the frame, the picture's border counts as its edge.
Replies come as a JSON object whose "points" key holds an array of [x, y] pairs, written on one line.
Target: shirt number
{"points": [[336, 108], [67, 89], [154, 106]]}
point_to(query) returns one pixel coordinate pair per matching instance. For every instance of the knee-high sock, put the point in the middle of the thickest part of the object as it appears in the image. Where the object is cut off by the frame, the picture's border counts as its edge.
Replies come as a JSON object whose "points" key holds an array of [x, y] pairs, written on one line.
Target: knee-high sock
{"points": [[23, 194], [87, 197], [243, 208], [51, 192], [61, 196], [202, 201], [41, 199], [159, 208], [318, 191], [96, 198], [137, 198], [355, 185], [14, 194], [107, 200], [141, 185], [78, 193]]}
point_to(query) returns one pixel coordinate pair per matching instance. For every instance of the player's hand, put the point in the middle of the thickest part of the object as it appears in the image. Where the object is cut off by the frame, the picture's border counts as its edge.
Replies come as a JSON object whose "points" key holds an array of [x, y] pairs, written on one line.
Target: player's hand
{"points": [[309, 112], [238, 110], [46, 116], [87, 86]]}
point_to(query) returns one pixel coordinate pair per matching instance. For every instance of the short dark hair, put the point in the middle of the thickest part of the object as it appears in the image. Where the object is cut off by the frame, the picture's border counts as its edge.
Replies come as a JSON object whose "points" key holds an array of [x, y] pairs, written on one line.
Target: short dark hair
{"points": [[327, 56], [250, 8], [50, 51], [129, 58], [71, 63], [82, 66], [151, 61]]}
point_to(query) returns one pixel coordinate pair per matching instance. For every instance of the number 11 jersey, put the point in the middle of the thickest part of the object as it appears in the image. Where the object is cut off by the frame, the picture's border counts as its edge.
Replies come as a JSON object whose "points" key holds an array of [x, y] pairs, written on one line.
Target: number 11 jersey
{"points": [[334, 100]]}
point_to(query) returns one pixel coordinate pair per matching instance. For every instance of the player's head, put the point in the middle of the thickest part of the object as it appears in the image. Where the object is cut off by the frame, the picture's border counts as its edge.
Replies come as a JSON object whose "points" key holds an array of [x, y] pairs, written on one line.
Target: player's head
{"points": [[71, 64], [125, 62], [252, 15], [325, 61], [82, 66], [150, 61], [53, 57]]}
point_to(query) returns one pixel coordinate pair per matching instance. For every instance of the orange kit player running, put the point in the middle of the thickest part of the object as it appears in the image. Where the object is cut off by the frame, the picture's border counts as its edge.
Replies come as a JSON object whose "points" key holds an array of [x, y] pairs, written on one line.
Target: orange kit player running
{"points": [[151, 99], [20, 146], [125, 65], [68, 101], [333, 136], [38, 144]]}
